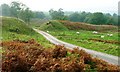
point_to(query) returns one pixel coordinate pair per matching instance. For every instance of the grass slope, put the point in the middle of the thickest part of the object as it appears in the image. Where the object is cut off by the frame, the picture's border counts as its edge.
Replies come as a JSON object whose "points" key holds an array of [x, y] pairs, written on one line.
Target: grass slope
{"points": [[53, 26], [66, 31], [61, 25], [13, 29]]}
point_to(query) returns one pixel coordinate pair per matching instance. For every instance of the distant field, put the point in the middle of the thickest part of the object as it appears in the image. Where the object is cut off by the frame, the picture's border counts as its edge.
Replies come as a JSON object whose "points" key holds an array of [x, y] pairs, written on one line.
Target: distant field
{"points": [[86, 39], [85, 26], [14, 29], [58, 25], [66, 31]]}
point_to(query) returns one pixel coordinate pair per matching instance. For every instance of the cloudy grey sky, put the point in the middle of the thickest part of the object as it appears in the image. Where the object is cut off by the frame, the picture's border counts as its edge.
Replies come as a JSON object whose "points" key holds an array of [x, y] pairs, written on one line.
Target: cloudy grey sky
{"points": [[107, 6]]}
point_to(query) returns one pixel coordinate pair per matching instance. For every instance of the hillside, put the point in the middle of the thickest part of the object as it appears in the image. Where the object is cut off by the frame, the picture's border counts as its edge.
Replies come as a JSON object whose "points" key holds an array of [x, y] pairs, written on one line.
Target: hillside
{"points": [[82, 34], [61, 25], [16, 29], [53, 25], [85, 26], [16, 26]]}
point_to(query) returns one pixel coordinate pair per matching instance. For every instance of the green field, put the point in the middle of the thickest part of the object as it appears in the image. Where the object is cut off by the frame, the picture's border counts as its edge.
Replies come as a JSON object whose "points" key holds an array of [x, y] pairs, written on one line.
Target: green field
{"points": [[85, 38], [82, 39], [14, 29]]}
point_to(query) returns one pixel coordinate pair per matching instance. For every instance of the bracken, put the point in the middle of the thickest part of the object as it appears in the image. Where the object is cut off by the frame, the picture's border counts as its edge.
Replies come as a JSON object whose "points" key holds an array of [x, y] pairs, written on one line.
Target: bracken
{"points": [[29, 56]]}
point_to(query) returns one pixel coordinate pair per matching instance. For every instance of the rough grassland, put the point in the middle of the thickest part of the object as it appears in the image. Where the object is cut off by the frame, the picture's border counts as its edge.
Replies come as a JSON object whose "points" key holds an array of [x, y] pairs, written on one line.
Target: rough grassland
{"points": [[53, 26], [85, 38], [14, 29]]}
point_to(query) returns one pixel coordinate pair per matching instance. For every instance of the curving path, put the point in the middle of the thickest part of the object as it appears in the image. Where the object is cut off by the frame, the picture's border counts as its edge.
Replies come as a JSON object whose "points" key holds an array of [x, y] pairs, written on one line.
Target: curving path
{"points": [[109, 58]]}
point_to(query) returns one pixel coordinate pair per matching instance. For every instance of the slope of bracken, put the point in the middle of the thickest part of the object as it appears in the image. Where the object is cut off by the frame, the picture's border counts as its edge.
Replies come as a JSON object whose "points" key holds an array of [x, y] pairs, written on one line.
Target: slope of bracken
{"points": [[85, 26], [29, 56]]}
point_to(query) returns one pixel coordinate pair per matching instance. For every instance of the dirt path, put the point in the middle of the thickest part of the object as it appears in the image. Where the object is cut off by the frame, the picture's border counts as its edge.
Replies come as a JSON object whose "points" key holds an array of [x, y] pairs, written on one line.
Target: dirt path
{"points": [[109, 58]]}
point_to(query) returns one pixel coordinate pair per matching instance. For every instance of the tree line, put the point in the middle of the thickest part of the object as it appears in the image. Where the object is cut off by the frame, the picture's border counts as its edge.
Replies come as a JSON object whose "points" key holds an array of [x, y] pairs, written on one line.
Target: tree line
{"points": [[20, 10], [97, 18]]}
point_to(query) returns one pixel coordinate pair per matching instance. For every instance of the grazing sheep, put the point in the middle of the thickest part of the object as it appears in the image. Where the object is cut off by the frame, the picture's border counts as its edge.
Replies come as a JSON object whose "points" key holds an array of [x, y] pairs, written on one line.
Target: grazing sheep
{"points": [[102, 36], [94, 32], [48, 31], [77, 32], [110, 34]]}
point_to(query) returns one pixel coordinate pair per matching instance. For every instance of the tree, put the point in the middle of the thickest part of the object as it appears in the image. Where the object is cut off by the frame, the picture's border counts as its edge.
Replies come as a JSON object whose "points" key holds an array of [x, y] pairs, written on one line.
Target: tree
{"points": [[16, 7], [88, 17], [26, 15], [74, 17], [59, 15], [115, 19], [82, 16], [5, 10], [79, 17], [40, 15], [97, 18]]}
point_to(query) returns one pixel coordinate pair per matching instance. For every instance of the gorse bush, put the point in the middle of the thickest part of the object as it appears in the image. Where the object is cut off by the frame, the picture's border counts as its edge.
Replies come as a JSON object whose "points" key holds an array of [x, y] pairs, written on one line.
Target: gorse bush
{"points": [[29, 56]]}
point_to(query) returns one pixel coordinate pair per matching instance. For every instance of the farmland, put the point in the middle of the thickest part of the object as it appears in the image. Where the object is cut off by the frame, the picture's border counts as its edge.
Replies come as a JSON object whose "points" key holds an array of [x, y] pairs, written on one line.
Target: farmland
{"points": [[26, 50], [85, 38], [89, 40]]}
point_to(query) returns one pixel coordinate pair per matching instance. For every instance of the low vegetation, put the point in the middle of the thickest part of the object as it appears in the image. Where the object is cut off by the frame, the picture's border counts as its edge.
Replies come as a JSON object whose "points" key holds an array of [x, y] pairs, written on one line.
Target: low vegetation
{"points": [[14, 29], [53, 26], [91, 41], [29, 56], [103, 38], [24, 50], [85, 26]]}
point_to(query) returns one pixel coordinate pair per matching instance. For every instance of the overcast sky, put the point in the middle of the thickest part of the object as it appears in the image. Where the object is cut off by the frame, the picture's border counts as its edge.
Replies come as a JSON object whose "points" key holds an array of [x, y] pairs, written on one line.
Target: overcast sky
{"points": [[107, 6]]}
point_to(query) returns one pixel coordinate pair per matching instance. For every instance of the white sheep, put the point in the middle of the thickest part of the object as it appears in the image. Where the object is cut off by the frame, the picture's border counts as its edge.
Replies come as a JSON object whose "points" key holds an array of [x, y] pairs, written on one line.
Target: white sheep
{"points": [[48, 31], [102, 36], [109, 34], [77, 32], [94, 32]]}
